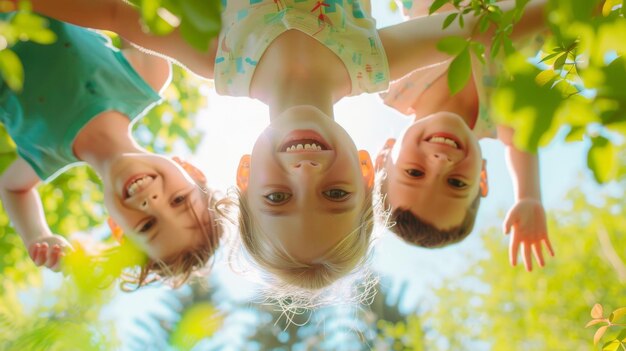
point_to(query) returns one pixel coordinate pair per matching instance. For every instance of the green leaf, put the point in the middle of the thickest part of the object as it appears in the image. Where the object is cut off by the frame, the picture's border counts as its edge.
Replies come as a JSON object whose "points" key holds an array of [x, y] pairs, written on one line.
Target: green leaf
{"points": [[575, 134], [150, 15], [608, 6], [483, 24], [452, 45], [622, 335], [460, 71], [205, 16], [617, 314], [546, 77], [612, 345], [526, 107], [602, 160], [449, 19], [436, 5], [479, 51], [547, 57], [560, 61], [11, 69]]}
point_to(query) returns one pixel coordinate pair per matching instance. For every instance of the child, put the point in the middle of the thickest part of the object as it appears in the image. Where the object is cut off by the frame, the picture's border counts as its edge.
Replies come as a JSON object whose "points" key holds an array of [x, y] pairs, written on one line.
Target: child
{"points": [[305, 191], [81, 109], [434, 174]]}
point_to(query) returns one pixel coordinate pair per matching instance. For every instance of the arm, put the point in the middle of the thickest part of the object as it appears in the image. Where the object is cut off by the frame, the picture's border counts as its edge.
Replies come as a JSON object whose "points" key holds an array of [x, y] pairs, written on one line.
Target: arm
{"points": [[23, 205], [526, 220], [122, 18], [155, 70], [412, 44]]}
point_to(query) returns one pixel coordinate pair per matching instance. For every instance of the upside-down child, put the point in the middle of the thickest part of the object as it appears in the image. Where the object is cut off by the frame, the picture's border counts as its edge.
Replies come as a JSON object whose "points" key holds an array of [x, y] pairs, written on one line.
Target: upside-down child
{"points": [[79, 100], [306, 211], [434, 174]]}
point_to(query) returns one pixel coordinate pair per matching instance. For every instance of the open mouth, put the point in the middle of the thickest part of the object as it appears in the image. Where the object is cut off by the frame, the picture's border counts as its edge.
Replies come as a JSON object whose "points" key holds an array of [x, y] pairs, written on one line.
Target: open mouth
{"points": [[136, 184], [304, 141], [445, 139]]}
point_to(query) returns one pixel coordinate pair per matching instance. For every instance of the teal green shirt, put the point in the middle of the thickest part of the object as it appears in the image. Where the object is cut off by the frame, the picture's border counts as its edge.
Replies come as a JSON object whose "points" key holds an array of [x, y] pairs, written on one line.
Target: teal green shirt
{"points": [[66, 84]]}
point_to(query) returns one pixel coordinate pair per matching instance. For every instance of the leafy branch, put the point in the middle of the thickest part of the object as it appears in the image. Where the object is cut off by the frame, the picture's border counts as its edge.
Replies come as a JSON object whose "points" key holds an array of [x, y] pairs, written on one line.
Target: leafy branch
{"points": [[597, 313]]}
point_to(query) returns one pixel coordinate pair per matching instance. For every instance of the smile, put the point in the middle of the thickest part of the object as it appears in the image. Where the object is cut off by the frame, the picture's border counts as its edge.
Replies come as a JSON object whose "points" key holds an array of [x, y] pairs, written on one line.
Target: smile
{"points": [[301, 145], [136, 184], [304, 141], [445, 139]]}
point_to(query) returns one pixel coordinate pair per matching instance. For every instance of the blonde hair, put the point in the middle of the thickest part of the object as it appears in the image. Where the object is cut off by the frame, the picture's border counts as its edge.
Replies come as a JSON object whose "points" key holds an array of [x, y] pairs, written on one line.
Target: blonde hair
{"points": [[178, 270], [293, 274]]}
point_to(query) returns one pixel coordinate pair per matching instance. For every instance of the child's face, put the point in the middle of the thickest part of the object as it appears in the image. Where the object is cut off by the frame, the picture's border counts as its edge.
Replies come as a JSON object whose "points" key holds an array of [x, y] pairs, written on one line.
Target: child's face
{"points": [[306, 200], [152, 198], [434, 170]]}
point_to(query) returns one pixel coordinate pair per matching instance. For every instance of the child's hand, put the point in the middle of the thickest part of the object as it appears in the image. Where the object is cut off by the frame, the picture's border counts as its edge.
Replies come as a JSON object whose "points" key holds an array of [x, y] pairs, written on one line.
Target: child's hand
{"points": [[527, 218], [48, 251]]}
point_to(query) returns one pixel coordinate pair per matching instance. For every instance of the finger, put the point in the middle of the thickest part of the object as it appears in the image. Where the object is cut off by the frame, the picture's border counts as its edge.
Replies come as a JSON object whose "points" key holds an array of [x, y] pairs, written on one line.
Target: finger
{"points": [[53, 257], [57, 266], [528, 262], [537, 250], [40, 255], [513, 249], [508, 223], [549, 246], [32, 251]]}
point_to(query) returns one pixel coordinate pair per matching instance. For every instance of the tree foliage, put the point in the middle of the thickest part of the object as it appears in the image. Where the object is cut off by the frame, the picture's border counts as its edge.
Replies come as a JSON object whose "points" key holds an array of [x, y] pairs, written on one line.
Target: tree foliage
{"points": [[67, 317], [577, 83], [508, 309]]}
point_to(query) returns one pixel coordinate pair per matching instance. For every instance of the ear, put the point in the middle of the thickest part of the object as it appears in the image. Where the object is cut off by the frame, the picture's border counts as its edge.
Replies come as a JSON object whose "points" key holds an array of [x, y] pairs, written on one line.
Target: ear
{"points": [[367, 169], [384, 153], [116, 230], [243, 172], [192, 170], [484, 186]]}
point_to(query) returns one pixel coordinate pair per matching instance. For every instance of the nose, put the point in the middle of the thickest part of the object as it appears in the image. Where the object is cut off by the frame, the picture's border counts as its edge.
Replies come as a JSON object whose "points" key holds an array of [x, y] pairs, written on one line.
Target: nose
{"points": [[306, 164], [149, 201], [440, 160]]}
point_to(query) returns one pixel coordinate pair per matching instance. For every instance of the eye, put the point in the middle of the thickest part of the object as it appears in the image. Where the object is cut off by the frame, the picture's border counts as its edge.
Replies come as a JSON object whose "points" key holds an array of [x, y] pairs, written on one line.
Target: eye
{"points": [[179, 199], [414, 173], [457, 183], [336, 194], [278, 197], [147, 225]]}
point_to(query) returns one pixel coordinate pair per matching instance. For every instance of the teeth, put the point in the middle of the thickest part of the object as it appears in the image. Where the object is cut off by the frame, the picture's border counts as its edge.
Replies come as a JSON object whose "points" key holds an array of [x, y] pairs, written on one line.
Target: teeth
{"points": [[136, 185], [299, 147], [442, 140]]}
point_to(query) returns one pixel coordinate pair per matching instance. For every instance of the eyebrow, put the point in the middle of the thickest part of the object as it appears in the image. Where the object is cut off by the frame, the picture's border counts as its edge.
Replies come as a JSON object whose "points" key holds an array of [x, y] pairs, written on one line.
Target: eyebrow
{"points": [[279, 213], [274, 212], [453, 193]]}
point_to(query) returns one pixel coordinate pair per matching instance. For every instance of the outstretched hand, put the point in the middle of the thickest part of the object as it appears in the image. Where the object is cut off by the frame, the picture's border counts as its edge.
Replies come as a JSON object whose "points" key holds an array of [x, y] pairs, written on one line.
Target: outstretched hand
{"points": [[48, 251], [526, 221]]}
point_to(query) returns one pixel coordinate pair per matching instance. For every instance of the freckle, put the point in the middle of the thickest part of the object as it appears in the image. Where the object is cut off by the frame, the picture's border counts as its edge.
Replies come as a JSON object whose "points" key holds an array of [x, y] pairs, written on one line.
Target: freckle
{"points": [[67, 45], [42, 99]]}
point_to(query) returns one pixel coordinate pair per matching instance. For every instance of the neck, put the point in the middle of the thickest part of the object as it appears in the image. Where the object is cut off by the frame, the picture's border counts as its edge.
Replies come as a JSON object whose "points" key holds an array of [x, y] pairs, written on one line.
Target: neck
{"points": [[103, 139], [437, 98], [296, 93]]}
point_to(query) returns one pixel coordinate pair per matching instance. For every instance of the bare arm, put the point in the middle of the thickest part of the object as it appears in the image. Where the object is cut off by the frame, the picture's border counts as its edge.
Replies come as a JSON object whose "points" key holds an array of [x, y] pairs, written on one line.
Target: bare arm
{"points": [[412, 44], [523, 167], [22, 203], [123, 19], [155, 70], [526, 220]]}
